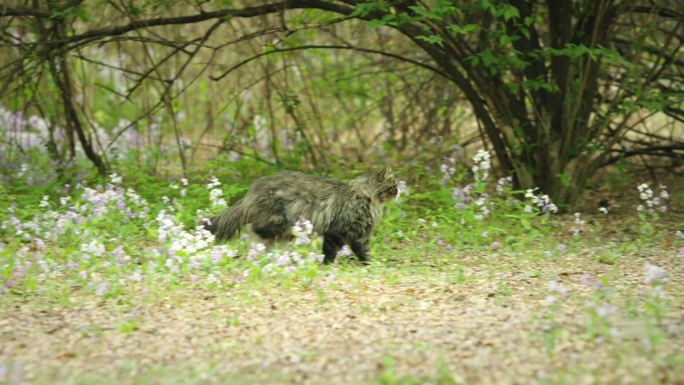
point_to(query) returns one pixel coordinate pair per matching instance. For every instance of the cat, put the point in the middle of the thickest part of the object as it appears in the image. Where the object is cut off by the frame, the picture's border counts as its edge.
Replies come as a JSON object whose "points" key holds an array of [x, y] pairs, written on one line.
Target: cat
{"points": [[344, 213]]}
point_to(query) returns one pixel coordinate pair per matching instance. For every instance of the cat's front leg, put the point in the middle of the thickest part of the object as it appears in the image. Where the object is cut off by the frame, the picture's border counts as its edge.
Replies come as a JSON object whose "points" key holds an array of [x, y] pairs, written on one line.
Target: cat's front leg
{"points": [[331, 245], [360, 248]]}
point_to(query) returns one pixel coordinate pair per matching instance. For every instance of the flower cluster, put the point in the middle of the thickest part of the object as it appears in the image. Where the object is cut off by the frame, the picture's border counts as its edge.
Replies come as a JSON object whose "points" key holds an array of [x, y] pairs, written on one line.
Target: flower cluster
{"points": [[441, 243], [654, 275], [73, 215], [302, 231], [92, 249], [542, 202], [504, 184], [22, 131], [601, 308], [447, 169], [402, 187], [183, 191], [462, 196], [100, 261], [345, 252], [650, 203], [578, 226], [17, 130], [176, 239], [483, 164], [286, 261], [189, 249], [483, 205], [215, 193]]}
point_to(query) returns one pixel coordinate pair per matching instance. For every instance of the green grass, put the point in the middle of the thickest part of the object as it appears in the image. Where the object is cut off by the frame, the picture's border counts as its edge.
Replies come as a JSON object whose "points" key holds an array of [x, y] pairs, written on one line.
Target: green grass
{"points": [[126, 280]]}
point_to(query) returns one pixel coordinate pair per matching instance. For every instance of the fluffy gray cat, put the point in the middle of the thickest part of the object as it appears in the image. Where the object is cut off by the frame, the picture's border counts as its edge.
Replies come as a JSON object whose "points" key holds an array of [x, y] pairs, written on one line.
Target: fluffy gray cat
{"points": [[344, 213]]}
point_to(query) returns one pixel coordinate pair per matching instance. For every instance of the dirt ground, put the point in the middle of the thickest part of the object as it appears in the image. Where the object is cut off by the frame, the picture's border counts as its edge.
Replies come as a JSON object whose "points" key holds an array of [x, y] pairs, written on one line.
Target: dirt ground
{"points": [[366, 328]]}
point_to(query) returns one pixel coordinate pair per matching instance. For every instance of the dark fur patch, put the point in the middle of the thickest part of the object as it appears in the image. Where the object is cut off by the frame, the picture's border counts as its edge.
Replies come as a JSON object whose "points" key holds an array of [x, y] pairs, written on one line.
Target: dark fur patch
{"points": [[342, 213]]}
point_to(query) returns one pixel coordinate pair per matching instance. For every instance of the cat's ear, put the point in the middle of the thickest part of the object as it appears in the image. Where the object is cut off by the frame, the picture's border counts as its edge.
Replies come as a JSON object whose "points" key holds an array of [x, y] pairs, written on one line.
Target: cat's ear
{"points": [[383, 174]]}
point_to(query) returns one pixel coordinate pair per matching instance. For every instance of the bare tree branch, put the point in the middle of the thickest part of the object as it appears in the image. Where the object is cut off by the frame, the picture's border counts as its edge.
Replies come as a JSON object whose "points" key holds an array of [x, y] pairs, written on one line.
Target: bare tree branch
{"points": [[316, 46]]}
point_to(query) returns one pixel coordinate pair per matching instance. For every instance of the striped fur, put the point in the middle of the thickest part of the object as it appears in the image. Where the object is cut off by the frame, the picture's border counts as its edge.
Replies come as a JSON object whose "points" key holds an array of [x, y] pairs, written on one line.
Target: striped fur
{"points": [[344, 213]]}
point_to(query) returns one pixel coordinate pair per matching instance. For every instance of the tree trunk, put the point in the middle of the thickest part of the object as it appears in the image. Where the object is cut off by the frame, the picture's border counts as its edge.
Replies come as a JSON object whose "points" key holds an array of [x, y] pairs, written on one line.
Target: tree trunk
{"points": [[56, 59], [60, 74]]}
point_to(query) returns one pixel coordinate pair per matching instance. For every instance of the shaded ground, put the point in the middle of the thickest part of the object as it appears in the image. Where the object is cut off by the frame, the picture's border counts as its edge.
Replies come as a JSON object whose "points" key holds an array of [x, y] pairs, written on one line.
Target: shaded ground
{"points": [[479, 318]]}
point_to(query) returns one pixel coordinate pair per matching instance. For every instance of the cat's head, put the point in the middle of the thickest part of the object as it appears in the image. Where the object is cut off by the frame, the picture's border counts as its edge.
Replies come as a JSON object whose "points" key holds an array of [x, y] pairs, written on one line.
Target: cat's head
{"points": [[384, 185], [381, 186]]}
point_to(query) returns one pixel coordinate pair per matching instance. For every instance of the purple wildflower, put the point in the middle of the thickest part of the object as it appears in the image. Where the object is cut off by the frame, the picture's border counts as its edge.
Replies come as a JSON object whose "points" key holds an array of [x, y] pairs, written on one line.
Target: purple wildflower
{"points": [[605, 310], [447, 169], [101, 289], [654, 274], [302, 231], [586, 279], [557, 288], [344, 252], [550, 300], [282, 259]]}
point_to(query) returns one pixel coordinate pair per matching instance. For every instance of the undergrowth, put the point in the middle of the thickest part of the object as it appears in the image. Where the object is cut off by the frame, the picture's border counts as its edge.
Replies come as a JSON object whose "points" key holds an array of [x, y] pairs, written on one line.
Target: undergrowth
{"points": [[134, 236]]}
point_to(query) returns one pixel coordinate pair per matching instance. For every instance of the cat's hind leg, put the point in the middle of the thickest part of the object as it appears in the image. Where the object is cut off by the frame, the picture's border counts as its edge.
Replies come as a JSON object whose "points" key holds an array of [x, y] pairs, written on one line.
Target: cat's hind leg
{"points": [[360, 248], [331, 245], [272, 233]]}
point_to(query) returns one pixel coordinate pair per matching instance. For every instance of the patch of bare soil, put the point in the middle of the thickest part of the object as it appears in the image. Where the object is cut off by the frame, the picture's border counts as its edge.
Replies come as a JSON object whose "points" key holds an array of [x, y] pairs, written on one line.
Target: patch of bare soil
{"points": [[485, 330]]}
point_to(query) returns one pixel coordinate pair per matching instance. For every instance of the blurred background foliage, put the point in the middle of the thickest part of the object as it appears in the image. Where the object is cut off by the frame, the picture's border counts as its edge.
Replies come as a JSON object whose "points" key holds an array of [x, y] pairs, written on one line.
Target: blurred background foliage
{"points": [[339, 86]]}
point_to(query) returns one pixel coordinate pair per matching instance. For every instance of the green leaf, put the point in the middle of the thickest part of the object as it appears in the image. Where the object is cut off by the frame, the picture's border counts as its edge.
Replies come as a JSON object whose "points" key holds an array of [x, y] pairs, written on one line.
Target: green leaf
{"points": [[83, 14], [133, 10], [463, 29], [365, 9], [525, 223], [525, 32], [474, 60], [508, 12], [424, 12], [432, 39]]}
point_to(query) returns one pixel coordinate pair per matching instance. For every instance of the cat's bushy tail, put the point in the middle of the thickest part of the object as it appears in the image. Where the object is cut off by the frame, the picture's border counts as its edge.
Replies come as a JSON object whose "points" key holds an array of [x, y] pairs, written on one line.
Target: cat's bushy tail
{"points": [[228, 222]]}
